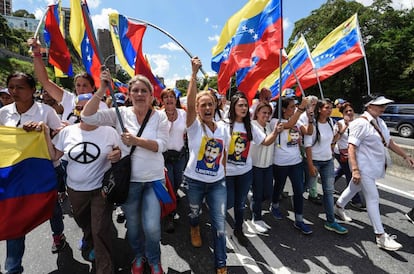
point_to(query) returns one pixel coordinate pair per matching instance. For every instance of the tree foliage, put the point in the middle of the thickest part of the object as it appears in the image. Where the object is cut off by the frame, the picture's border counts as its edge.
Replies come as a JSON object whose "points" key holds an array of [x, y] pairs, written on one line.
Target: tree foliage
{"points": [[388, 36]]}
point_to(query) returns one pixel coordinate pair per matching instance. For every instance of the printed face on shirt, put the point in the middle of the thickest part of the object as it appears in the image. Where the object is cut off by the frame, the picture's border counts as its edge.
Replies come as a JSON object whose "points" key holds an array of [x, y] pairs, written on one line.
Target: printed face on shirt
{"points": [[20, 90], [209, 156]]}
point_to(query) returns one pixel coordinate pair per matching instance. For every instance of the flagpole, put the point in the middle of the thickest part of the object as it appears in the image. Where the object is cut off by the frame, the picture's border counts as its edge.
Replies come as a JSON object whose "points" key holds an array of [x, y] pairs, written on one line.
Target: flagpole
{"points": [[279, 107], [40, 23], [99, 54], [319, 83], [365, 56], [296, 77], [169, 35]]}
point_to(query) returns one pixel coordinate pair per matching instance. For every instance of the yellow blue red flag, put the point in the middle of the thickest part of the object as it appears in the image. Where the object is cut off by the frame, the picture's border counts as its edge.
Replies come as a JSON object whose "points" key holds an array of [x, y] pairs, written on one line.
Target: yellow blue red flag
{"points": [[83, 39], [339, 49], [27, 182], [127, 40], [251, 37]]}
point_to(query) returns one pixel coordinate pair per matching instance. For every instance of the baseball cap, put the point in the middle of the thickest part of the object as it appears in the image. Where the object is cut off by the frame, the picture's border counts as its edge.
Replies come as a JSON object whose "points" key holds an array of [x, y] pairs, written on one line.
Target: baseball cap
{"points": [[120, 98], [339, 101], [379, 101], [5, 90], [288, 92]]}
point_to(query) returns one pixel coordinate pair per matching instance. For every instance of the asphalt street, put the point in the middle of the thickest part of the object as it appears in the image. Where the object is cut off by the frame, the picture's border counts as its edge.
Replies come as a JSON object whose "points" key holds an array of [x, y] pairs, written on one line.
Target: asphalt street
{"points": [[282, 250]]}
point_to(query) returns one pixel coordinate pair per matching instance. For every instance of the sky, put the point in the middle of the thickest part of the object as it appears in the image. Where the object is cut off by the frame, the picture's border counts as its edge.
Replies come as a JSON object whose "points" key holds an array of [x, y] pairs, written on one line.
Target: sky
{"points": [[195, 24]]}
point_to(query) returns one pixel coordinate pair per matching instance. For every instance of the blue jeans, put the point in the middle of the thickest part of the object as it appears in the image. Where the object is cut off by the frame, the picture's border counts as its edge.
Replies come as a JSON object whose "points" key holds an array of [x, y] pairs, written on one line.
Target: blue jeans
{"points": [[344, 169], [56, 222], [175, 172], [216, 195], [237, 189], [295, 174], [262, 189], [326, 171], [143, 212], [15, 251]]}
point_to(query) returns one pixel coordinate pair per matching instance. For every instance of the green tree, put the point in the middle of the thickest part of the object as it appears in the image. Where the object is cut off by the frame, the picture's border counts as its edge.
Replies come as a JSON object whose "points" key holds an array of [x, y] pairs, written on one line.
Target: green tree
{"points": [[388, 36], [23, 13]]}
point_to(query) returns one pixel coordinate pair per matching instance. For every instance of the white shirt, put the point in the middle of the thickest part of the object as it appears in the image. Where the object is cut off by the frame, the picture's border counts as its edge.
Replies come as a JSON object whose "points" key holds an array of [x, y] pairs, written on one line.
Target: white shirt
{"points": [[370, 152], [321, 150], [176, 131], [68, 103], [262, 156], [342, 142], [38, 112], [287, 145], [147, 166], [86, 152], [239, 160], [206, 149]]}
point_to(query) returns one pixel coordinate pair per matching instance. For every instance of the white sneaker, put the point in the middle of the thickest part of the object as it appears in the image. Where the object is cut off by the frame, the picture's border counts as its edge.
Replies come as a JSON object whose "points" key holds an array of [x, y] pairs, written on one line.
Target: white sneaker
{"points": [[261, 226], [340, 212], [388, 242]]}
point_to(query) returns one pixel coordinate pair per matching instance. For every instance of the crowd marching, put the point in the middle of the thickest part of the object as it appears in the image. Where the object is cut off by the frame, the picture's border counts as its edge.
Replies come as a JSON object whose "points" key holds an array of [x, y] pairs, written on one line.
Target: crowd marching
{"points": [[225, 154]]}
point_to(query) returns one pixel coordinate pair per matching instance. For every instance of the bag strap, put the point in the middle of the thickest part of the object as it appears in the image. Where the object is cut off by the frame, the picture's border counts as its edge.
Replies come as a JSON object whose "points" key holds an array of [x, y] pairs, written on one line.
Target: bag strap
{"points": [[141, 129], [377, 129]]}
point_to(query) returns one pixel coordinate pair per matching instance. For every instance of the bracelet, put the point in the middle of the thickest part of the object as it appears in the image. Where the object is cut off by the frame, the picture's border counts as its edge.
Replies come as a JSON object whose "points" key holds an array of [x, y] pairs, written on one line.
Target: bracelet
{"points": [[97, 96]]}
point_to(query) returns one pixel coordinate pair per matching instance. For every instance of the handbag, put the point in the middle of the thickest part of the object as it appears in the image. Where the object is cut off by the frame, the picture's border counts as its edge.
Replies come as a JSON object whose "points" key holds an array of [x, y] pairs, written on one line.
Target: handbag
{"points": [[343, 155], [166, 195], [115, 184]]}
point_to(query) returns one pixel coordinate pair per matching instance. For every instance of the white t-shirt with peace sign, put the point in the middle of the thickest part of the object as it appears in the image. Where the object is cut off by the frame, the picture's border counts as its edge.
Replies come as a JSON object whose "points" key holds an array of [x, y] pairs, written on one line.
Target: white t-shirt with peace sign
{"points": [[86, 152]]}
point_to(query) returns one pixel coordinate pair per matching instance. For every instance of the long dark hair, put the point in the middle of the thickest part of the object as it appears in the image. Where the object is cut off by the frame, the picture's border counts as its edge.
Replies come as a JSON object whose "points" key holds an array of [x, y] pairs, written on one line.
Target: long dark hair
{"points": [[28, 77], [319, 105], [285, 103], [232, 115]]}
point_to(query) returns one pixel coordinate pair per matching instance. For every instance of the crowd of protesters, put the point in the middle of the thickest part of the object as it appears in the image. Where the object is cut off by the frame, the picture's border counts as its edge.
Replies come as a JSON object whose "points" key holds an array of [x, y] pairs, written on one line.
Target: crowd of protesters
{"points": [[220, 151]]}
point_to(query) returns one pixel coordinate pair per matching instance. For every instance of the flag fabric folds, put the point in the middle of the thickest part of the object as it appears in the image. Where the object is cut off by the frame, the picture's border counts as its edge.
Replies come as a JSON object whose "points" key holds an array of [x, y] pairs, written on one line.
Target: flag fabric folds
{"points": [[121, 87], [301, 62], [127, 40], [339, 49], [27, 182], [83, 39], [59, 55], [250, 38]]}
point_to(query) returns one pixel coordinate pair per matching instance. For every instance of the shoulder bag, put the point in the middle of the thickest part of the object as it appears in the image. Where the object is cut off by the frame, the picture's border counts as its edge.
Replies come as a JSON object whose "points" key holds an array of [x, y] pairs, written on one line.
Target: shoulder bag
{"points": [[115, 184]]}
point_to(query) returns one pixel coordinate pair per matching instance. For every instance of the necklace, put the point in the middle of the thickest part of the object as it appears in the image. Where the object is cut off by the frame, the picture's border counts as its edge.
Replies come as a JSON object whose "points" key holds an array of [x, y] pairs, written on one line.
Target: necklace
{"points": [[172, 116]]}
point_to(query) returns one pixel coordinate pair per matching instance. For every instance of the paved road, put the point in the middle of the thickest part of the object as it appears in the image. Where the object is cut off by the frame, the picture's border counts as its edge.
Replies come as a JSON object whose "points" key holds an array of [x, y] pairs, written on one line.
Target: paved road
{"points": [[282, 250]]}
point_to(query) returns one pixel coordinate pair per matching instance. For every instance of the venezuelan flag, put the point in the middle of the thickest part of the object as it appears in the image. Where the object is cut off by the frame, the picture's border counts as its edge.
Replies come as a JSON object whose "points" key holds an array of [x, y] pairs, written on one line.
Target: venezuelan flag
{"points": [[27, 182], [59, 55], [127, 40], [301, 62], [250, 38], [339, 49], [83, 39]]}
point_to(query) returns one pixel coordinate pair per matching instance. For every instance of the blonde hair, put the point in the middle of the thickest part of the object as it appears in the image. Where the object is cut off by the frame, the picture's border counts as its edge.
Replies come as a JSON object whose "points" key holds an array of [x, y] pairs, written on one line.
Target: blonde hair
{"points": [[142, 79], [205, 93]]}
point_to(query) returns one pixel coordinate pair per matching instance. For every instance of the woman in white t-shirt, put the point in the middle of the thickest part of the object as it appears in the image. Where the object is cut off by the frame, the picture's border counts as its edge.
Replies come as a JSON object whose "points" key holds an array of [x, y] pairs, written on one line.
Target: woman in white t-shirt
{"points": [[287, 161], [318, 147], [205, 171], [89, 150], [262, 161], [175, 157], [239, 174], [142, 208]]}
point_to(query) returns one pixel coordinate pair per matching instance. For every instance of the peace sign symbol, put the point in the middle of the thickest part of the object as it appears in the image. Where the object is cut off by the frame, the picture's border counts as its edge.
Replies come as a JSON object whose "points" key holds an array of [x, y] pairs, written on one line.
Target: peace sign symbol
{"points": [[84, 152]]}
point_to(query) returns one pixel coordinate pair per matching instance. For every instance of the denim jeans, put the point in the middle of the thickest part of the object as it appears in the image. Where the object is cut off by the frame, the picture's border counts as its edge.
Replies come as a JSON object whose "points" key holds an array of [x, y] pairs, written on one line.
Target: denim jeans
{"points": [[295, 174], [175, 172], [216, 196], [326, 171], [344, 169], [15, 251], [262, 189], [143, 212], [237, 189], [310, 182]]}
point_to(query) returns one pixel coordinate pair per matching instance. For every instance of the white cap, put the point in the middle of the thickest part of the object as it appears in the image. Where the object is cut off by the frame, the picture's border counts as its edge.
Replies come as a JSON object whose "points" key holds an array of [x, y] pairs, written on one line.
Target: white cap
{"points": [[379, 101], [4, 90]]}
